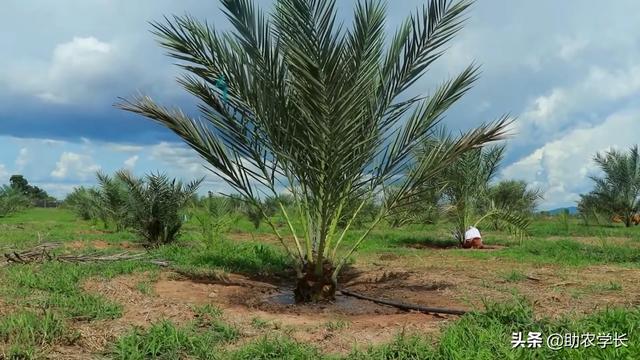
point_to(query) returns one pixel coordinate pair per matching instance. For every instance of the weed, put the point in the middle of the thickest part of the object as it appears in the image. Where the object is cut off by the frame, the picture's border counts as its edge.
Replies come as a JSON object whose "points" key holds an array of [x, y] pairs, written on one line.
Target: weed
{"points": [[603, 287], [514, 276], [166, 341], [259, 323], [25, 330], [336, 325], [268, 348], [144, 287], [83, 306], [207, 310]]}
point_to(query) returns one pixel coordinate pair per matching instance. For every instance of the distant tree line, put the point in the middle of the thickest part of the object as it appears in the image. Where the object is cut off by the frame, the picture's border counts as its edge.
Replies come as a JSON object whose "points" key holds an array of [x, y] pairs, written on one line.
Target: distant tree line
{"points": [[19, 194]]}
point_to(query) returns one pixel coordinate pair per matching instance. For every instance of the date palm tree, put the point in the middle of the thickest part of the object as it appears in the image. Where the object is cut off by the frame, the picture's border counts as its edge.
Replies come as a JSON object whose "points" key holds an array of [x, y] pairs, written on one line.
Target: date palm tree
{"points": [[512, 195], [467, 194], [617, 191], [320, 110], [153, 205], [83, 202], [110, 201]]}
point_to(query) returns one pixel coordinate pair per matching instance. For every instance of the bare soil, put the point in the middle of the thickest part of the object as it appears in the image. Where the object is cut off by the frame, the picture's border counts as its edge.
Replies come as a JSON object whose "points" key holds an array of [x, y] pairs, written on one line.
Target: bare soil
{"points": [[430, 278], [100, 245], [333, 327]]}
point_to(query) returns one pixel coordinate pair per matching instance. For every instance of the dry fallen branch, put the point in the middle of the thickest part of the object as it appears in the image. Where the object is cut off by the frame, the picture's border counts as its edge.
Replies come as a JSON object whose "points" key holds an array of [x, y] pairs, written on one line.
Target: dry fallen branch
{"points": [[99, 257], [43, 253], [35, 254]]}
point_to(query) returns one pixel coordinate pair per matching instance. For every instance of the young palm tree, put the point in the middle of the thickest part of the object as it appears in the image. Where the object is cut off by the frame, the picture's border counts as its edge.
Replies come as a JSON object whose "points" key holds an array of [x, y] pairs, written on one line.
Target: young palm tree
{"points": [[153, 205], [592, 209], [215, 215], [82, 201], [467, 194], [110, 201], [318, 110], [618, 190], [513, 195]]}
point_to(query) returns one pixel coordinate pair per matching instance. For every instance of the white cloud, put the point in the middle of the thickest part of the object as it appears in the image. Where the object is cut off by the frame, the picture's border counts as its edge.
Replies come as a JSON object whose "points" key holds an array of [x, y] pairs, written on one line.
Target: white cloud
{"points": [[561, 167], [184, 163], [571, 46], [74, 165], [23, 159], [76, 70], [51, 142], [124, 148], [577, 105], [130, 163], [185, 160]]}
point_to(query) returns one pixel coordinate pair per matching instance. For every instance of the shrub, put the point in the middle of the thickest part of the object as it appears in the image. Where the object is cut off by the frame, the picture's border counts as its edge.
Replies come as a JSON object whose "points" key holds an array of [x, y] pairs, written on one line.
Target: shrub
{"points": [[12, 200]]}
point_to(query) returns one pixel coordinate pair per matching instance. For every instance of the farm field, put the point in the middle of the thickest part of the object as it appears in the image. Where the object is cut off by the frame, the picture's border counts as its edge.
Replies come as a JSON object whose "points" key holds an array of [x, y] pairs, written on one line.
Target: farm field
{"points": [[319, 179], [232, 297]]}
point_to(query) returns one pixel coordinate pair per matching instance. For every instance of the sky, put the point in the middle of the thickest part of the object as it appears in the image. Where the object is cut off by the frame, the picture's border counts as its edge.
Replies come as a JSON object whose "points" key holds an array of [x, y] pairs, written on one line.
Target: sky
{"points": [[568, 71]]}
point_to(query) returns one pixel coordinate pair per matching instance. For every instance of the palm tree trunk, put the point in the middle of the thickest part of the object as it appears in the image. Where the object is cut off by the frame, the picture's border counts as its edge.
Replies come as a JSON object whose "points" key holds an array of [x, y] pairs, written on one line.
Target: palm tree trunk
{"points": [[315, 282], [314, 286]]}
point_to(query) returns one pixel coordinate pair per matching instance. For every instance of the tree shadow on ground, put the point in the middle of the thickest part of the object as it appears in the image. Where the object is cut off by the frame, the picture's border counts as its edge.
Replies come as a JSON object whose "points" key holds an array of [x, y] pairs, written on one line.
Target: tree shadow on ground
{"points": [[425, 242]]}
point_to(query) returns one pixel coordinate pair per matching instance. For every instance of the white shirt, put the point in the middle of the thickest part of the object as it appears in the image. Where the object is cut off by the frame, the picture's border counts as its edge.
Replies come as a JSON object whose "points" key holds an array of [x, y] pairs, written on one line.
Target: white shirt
{"points": [[471, 234]]}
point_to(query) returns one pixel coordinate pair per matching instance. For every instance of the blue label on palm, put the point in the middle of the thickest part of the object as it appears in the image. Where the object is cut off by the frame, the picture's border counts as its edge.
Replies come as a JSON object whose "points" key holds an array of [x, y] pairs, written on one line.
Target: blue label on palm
{"points": [[222, 85]]}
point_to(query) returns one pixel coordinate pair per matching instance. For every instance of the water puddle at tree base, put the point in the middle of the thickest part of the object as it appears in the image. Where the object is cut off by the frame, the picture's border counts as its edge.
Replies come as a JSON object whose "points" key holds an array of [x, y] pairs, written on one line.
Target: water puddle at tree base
{"points": [[346, 305]]}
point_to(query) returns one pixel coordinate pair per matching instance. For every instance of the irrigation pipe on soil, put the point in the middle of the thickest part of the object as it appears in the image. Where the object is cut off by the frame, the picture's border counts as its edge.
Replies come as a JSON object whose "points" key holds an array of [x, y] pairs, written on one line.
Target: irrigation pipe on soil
{"points": [[404, 306]]}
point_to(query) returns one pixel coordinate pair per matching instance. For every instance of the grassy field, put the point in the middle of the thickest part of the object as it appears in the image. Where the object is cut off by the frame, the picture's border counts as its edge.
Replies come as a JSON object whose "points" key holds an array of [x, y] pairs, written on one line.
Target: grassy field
{"points": [[228, 298]]}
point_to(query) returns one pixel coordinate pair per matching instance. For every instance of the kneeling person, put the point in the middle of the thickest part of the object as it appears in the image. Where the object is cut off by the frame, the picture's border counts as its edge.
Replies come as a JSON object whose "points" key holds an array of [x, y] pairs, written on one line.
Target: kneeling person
{"points": [[472, 239]]}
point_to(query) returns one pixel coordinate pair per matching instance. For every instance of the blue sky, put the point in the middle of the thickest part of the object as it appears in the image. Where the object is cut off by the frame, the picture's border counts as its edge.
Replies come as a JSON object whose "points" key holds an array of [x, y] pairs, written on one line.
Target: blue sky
{"points": [[568, 70]]}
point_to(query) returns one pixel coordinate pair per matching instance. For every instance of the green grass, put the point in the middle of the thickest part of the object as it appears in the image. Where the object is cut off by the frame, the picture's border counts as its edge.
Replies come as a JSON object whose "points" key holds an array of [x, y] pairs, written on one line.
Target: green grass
{"points": [[56, 286], [336, 325], [514, 276], [563, 252], [259, 323], [556, 226], [245, 257], [200, 339], [487, 336], [482, 335], [24, 331], [606, 287], [48, 297], [164, 341], [207, 313], [272, 348]]}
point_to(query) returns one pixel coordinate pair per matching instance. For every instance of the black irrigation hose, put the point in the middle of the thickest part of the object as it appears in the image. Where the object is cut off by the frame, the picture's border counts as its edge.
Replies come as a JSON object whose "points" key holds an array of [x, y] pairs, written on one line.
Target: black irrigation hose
{"points": [[404, 306]]}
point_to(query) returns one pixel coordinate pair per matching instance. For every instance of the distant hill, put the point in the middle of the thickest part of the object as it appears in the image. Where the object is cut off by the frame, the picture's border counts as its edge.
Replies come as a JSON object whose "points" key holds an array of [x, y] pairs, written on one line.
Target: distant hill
{"points": [[572, 210]]}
